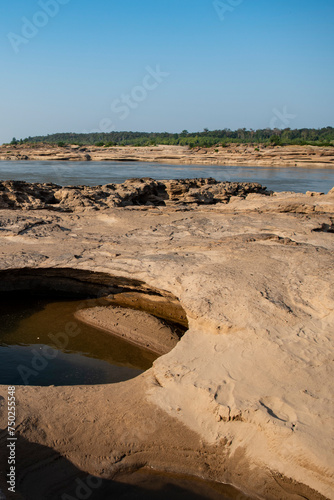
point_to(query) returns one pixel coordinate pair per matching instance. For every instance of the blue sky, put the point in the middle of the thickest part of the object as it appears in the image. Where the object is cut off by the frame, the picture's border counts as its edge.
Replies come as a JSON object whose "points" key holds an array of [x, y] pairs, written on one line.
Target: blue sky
{"points": [[70, 65]]}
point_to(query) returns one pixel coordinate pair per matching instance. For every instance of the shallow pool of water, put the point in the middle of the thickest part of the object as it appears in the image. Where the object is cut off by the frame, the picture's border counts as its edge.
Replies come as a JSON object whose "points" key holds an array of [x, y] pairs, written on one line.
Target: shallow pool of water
{"points": [[92, 173], [42, 343]]}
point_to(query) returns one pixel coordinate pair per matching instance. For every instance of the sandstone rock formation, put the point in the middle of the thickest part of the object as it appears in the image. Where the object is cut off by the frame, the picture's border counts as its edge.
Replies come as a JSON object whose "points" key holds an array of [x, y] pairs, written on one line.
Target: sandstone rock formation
{"points": [[245, 397], [234, 154], [149, 192], [137, 327]]}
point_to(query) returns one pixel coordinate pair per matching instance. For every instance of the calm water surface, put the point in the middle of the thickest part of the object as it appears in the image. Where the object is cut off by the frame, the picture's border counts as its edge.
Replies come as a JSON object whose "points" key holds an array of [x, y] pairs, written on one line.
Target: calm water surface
{"points": [[98, 173], [35, 348]]}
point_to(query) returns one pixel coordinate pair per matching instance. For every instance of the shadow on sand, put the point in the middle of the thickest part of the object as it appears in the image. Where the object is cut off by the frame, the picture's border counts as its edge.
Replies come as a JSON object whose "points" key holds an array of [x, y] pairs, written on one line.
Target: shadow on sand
{"points": [[44, 474]]}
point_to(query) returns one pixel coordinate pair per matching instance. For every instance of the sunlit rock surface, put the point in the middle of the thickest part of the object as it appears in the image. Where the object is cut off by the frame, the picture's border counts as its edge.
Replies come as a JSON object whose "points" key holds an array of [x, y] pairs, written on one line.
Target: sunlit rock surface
{"points": [[245, 397]]}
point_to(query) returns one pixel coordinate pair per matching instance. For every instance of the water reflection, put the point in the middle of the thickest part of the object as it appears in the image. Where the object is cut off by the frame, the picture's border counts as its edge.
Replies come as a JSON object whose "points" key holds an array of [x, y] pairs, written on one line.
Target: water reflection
{"points": [[41, 343]]}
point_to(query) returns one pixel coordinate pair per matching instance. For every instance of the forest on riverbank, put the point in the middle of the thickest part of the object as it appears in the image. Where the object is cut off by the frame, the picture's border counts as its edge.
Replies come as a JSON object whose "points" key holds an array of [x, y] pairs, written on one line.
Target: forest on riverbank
{"points": [[305, 136]]}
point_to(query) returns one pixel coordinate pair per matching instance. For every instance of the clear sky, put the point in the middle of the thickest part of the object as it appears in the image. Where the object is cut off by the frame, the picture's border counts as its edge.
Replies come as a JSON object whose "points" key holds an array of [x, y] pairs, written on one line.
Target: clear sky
{"points": [[164, 65]]}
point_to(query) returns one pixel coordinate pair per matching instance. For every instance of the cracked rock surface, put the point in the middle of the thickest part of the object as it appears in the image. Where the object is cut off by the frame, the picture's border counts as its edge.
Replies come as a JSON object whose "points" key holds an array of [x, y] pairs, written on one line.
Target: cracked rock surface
{"points": [[149, 192], [246, 395]]}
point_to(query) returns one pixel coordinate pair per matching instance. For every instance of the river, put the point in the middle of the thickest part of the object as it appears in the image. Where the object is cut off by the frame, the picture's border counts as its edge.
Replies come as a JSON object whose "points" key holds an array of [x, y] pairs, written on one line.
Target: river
{"points": [[93, 173]]}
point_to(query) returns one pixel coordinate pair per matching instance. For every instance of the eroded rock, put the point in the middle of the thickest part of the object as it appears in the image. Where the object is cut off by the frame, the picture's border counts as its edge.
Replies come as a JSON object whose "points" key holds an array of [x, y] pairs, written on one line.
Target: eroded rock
{"points": [[26, 196], [245, 396]]}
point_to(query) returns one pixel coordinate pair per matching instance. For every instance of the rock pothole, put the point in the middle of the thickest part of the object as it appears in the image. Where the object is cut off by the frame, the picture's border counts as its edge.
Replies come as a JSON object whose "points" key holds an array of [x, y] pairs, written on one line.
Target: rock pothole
{"points": [[137, 324]]}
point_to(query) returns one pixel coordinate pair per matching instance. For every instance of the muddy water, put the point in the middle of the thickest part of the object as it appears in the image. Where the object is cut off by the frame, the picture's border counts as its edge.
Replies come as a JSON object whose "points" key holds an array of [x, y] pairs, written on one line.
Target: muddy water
{"points": [[41, 343]]}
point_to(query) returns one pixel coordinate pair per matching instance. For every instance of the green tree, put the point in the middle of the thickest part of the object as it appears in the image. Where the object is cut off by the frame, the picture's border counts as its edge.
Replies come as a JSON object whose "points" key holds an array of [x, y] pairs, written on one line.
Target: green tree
{"points": [[275, 140]]}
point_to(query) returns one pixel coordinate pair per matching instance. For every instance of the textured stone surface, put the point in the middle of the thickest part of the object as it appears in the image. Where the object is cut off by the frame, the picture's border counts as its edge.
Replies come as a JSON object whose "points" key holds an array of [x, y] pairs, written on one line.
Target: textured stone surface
{"points": [[19, 194], [246, 395], [234, 154]]}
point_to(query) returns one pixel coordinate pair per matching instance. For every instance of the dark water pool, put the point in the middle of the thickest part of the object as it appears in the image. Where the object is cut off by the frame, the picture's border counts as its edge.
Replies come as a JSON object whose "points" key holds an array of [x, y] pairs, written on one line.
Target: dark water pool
{"points": [[42, 343], [92, 173]]}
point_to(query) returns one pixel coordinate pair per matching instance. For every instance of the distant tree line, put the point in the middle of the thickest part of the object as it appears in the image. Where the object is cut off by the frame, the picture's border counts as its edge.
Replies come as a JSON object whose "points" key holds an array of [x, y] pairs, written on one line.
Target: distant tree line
{"points": [[317, 137]]}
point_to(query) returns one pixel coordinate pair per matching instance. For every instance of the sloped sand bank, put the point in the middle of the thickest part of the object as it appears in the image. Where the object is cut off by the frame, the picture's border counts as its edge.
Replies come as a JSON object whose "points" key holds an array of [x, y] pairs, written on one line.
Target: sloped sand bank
{"points": [[136, 327]]}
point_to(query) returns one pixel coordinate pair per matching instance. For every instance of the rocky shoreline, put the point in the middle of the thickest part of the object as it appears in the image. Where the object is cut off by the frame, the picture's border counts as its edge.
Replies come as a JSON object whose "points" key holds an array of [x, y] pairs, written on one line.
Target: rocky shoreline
{"points": [[245, 396], [133, 192], [234, 154]]}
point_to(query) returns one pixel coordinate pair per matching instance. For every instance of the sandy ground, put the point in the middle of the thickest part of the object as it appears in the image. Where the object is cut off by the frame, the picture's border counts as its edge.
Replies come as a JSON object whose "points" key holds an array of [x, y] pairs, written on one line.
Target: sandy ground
{"points": [[246, 396], [234, 154], [137, 327]]}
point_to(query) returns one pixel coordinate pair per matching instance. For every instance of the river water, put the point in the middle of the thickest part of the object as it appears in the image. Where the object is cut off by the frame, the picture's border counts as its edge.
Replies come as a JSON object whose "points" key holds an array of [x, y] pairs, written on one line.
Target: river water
{"points": [[98, 173]]}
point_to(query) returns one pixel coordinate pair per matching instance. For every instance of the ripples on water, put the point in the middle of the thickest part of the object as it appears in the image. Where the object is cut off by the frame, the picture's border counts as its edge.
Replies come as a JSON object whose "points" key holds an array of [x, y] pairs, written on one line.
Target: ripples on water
{"points": [[92, 173]]}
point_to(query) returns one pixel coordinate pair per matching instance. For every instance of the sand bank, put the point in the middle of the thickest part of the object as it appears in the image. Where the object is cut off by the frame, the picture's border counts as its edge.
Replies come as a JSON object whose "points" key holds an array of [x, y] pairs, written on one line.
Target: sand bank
{"points": [[136, 327]]}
